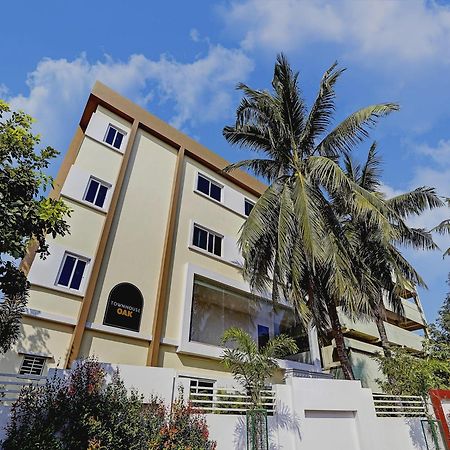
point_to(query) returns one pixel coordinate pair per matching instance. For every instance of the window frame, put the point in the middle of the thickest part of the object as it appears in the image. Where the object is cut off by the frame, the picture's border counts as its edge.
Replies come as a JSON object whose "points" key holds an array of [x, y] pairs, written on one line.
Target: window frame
{"points": [[101, 183], [211, 182], [118, 130], [61, 267], [247, 200], [42, 359], [209, 234]]}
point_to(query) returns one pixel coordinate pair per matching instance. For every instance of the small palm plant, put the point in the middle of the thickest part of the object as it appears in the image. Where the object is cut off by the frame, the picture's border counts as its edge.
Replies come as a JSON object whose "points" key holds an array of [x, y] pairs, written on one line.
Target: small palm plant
{"points": [[252, 366]]}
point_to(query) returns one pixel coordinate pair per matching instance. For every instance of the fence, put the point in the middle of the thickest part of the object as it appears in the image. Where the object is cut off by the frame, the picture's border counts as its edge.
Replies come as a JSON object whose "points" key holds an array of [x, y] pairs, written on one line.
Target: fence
{"points": [[399, 406], [11, 385], [227, 400]]}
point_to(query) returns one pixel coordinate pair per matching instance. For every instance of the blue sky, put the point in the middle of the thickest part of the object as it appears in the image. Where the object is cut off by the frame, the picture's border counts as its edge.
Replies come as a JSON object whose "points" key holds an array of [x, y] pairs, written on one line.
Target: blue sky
{"points": [[181, 61]]}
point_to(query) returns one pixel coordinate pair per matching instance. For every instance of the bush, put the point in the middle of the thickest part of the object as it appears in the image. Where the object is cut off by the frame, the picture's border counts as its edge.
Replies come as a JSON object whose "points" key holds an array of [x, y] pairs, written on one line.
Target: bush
{"points": [[84, 411]]}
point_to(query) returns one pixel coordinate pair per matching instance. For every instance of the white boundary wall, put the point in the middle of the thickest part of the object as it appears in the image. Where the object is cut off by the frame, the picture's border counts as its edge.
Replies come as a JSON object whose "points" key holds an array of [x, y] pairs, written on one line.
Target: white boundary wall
{"points": [[312, 414]]}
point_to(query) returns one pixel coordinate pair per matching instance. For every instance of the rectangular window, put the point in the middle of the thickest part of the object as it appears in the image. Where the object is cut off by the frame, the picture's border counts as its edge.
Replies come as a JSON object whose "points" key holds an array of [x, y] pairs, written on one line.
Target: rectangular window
{"points": [[32, 365], [114, 137], [248, 206], [263, 336], [72, 271], [207, 240], [208, 187], [96, 192]]}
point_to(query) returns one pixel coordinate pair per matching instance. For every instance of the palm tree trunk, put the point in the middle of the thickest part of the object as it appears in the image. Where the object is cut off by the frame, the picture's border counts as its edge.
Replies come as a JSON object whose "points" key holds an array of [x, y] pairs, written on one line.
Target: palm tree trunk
{"points": [[379, 320], [336, 331]]}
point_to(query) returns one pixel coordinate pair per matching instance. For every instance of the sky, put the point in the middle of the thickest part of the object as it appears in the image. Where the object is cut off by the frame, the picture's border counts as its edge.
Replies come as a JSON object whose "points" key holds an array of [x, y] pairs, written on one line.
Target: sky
{"points": [[182, 60]]}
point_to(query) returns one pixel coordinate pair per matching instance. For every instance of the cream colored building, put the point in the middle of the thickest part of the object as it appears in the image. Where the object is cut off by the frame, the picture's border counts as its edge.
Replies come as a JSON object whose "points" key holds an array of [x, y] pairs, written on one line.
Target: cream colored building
{"points": [[149, 274]]}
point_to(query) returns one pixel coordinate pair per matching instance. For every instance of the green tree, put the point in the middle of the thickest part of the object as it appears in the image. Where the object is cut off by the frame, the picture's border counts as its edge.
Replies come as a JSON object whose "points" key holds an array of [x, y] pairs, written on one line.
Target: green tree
{"points": [[25, 215], [252, 366], [390, 272], [293, 243]]}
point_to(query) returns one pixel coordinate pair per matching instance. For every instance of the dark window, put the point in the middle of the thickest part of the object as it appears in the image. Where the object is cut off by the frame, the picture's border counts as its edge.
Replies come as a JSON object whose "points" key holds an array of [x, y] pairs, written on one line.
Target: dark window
{"points": [[124, 307], [96, 192], [207, 240], [263, 336], [248, 206], [209, 188], [72, 272], [114, 137], [32, 365]]}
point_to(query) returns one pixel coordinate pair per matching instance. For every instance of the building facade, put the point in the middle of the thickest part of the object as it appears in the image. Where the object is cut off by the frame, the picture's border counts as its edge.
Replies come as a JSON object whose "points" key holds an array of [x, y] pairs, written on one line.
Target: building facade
{"points": [[150, 272]]}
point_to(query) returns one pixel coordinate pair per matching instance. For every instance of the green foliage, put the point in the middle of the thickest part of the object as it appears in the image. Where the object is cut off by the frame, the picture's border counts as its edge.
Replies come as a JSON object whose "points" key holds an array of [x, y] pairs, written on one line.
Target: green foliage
{"points": [[251, 366], [293, 243], [409, 374], [84, 411], [25, 215]]}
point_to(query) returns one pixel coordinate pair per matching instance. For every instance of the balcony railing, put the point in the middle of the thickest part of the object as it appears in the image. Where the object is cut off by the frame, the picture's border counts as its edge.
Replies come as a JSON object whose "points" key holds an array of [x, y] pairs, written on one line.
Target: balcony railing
{"points": [[399, 406], [227, 400], [12, 384]]}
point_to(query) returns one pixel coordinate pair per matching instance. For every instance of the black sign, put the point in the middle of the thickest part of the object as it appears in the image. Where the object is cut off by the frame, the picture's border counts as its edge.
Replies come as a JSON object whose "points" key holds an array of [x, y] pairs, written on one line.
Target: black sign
{"points": [[124, 307]]}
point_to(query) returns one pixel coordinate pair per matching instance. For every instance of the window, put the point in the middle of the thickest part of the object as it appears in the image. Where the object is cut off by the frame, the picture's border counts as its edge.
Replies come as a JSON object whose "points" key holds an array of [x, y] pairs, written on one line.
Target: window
{"points": [[209, 188], [207, 240], [72, 271], [32, 365], [263, 336], [114, 137], [248, 206], [96, 192]]}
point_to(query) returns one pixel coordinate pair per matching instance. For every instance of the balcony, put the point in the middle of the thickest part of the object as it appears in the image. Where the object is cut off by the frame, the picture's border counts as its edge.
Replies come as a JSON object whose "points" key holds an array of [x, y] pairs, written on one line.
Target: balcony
{"points": [[404, 338]]}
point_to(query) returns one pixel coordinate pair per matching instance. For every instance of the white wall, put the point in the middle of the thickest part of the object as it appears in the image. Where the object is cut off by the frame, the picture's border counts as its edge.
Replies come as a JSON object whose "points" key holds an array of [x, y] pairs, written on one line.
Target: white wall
{"points": [[311, 414]]}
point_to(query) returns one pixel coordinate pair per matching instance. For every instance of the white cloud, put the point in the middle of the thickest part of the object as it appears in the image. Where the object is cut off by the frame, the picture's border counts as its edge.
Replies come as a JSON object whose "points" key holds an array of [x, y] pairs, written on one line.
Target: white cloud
{"points": [[196, 92], [440, 153], [402, 31]]}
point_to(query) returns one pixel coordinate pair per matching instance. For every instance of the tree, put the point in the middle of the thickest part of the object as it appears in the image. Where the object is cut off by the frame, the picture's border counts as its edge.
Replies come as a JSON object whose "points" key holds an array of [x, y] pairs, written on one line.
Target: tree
{"points": [[25, 215], [84, 410], [391, 273], [293, 243], [252, 366]]}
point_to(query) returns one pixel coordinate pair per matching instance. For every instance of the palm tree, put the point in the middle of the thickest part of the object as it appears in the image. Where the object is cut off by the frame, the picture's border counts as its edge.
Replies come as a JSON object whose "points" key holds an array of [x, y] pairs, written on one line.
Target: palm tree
{"points": [[250, 365], [444, 228], [293, 243], [391, 273]]}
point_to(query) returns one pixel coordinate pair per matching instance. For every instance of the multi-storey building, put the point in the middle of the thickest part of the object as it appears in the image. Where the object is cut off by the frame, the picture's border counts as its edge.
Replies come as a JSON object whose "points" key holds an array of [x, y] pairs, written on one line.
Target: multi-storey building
{"points": [[149, 274]]}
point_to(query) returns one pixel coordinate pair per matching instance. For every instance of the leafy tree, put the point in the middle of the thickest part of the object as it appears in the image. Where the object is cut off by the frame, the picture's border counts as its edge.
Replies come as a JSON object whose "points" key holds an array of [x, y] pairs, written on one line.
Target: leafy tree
{"points": [[85, 411], [416, 374], [25, 215], [250, 365], [389, 271], [293, 243]]}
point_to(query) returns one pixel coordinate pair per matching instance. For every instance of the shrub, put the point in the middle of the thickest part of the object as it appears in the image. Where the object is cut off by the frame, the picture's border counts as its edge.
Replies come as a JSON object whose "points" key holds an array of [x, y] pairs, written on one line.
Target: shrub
{"points": [[84, 411]]}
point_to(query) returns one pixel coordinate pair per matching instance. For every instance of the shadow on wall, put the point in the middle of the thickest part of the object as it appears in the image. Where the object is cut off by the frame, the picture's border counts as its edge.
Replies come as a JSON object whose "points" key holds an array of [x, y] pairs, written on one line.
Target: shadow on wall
{"points": [[35, 343], [416, 433], [284, 420]]}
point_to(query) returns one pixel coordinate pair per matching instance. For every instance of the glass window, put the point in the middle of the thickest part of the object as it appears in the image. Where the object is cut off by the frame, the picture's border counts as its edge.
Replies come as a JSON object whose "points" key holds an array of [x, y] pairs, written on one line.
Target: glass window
{"points": [[32, 365], [207, 240], [217, 307], [263, 336], [114, 137], [248, 206], [72, 270], [96, 192], [209, 188]]}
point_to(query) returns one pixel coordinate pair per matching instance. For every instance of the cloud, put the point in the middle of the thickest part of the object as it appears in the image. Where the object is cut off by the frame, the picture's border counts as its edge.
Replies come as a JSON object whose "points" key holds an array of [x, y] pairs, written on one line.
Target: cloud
{"points": [[440, 153], [194, 92], [403, 32]]}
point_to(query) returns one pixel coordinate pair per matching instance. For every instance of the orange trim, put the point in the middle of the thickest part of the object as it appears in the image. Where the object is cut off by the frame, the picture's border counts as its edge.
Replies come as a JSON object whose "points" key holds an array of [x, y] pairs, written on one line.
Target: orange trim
{"points": [[437, 395], [78, 332], [162, 296]]}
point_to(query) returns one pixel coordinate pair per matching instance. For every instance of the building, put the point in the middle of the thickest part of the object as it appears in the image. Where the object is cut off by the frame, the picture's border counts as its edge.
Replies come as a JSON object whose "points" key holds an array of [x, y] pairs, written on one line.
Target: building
{"points": [[150, 272]]}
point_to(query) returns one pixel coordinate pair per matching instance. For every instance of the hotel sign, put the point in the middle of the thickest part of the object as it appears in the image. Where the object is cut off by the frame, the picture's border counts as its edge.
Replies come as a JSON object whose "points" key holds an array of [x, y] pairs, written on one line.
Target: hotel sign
{"points": [[124, 307]]}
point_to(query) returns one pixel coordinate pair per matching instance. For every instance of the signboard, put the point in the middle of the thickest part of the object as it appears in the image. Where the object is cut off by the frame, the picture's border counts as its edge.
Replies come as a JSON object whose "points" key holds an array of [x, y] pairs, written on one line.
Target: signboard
{"points": [[124, 307]]}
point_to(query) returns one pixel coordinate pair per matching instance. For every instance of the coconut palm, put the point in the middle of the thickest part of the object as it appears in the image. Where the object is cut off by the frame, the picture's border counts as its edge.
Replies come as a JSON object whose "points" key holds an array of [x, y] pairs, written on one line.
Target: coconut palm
{"points": [[391, 273], [292, 242], [444, 228], [250, 365]]}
